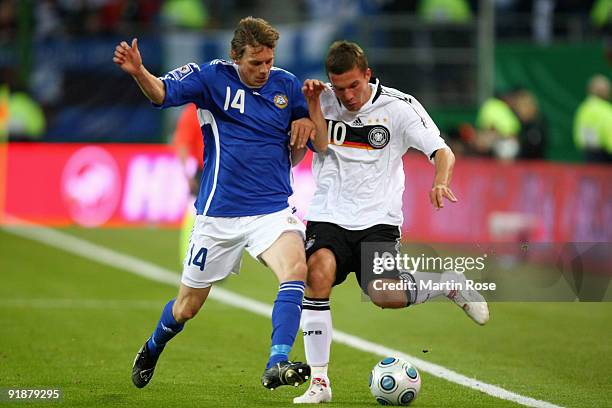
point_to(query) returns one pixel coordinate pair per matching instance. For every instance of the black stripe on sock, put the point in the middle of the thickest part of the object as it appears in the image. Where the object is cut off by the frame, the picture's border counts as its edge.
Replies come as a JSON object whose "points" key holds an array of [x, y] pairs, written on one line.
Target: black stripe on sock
{"points": [[316, 299], [315, 304], [311, 307]]}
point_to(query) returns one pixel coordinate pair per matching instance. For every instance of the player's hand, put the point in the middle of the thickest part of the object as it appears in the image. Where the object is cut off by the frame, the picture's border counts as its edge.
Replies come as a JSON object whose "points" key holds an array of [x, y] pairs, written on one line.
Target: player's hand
{"points": [[302, 130], [438, 193], [312, 90], [128, 58]]}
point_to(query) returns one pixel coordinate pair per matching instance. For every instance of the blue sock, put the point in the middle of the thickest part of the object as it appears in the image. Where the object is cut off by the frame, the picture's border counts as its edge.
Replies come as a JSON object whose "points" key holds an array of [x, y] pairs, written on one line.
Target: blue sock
{"points": [[166, 329], [286, 315]]}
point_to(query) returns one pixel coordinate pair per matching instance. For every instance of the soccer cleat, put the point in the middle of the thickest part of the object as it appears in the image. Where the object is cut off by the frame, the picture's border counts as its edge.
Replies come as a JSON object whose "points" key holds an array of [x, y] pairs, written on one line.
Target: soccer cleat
{"points": [[472, 303], [318, 391], [285, 373], [144, 365]]}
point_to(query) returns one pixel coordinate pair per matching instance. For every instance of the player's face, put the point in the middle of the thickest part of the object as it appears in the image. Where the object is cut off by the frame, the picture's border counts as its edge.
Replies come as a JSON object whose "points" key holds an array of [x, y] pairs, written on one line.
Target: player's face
{"points": [[255, 65], [352, 87]]}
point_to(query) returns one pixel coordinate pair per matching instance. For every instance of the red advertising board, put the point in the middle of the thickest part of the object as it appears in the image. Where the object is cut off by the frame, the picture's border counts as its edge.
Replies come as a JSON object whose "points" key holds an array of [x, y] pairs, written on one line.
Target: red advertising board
{"points": [[93, 185], [535, 201], [116, 185]]}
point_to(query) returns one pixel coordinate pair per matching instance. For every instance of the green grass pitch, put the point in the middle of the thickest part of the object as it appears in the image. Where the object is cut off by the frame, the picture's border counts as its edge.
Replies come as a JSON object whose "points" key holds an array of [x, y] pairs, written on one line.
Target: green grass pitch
{"points": [[73, 323]]}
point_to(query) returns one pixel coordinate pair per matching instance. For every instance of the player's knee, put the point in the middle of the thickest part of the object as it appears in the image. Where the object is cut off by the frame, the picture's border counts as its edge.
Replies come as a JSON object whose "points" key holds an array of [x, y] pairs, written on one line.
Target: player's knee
{"points": [[321, 271], [296, 271], [186, 311], [319, 282]]}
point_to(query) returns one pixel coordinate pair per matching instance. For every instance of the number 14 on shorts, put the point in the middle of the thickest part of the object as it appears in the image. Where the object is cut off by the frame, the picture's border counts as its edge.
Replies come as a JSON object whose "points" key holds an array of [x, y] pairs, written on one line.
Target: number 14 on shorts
{"points": [[200, 257]]}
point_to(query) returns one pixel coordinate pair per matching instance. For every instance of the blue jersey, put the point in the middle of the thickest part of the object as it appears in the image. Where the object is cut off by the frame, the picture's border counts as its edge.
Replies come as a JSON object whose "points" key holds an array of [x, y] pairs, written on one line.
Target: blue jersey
{"points": [[246, 144]]}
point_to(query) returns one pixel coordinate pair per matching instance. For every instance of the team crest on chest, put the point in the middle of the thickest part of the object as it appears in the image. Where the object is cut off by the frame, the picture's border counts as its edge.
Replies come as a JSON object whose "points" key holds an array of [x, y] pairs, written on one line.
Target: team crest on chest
{"points": [[281, 101], [378, 137]]}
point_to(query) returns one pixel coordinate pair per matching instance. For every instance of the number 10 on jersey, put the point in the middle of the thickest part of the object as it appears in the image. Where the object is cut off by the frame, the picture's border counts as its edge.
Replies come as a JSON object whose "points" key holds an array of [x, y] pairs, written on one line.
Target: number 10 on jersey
{"points": [[336, 132]]}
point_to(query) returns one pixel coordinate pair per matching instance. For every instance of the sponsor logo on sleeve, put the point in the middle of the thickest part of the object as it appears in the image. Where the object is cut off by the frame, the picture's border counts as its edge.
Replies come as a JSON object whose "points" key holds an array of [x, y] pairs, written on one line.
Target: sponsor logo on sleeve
{"points": [[182, 72]]}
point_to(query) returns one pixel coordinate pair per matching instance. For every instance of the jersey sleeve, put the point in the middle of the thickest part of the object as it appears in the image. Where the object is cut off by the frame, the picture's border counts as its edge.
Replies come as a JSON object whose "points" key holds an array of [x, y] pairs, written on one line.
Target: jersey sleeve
{"points": [[299, 107], [183, 85], [419, 130]]}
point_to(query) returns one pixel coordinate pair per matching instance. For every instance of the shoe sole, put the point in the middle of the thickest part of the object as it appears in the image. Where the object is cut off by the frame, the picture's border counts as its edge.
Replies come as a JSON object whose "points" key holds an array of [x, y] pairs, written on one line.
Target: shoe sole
{"points": [[293, 376], [297, 376]]}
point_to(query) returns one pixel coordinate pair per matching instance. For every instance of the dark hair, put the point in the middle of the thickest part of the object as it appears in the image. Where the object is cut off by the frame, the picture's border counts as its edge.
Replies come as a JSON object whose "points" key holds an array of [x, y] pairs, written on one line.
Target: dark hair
{"points": [[255, 32], [344, 56]]}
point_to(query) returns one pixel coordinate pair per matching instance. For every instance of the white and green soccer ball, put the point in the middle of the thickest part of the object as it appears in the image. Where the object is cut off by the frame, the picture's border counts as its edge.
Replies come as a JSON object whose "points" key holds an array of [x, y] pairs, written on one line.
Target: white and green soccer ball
{"points": [[394, 381]]}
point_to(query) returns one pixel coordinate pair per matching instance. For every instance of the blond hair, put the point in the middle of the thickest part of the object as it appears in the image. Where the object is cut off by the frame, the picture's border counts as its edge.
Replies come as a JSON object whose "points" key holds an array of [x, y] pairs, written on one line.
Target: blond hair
{"points": [[255, 32]]}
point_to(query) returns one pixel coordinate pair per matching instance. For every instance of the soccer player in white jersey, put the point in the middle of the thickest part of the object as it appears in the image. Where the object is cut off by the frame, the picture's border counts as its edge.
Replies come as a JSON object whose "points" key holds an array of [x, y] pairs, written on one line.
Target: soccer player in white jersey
{"points": [[358, 199], [246, 109]]}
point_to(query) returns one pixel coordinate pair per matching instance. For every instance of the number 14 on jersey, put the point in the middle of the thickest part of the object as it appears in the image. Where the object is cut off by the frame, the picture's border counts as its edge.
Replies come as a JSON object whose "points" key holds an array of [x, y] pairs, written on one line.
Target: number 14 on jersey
{"points": [[237, 102]]}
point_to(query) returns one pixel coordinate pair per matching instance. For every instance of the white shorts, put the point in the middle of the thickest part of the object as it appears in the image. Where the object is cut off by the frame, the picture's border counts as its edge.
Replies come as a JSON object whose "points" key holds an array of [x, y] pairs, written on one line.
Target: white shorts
{"points": [[216, 243]]}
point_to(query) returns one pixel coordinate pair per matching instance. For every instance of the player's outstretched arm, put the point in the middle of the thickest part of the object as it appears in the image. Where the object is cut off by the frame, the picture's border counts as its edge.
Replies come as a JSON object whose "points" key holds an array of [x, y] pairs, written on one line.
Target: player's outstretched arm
{"points": [[444, 161], [129, 60], [312, 91]]}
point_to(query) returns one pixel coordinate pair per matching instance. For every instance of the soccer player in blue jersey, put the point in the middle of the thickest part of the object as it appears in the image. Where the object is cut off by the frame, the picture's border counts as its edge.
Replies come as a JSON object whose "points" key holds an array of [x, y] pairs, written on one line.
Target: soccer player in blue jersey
{"points": [[246, 109]]}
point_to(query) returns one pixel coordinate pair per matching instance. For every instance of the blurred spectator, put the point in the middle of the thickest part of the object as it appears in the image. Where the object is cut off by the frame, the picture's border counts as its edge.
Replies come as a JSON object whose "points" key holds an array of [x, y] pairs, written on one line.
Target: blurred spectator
{"points": [[89, 17], [189, 14], [508, 126], [444, 11], [26, 120], [341, 10], [498, 129], [601, 13], [189, 144], [533, 133], [8, 20], [4, 112], [601, 17], [542, 21], [593, 122]]}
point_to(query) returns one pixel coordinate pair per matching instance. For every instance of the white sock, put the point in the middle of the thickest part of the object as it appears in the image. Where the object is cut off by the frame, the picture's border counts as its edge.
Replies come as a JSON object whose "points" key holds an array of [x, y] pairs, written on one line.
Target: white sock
{"points": [[318, 371], [423, 294], [317, 328]]}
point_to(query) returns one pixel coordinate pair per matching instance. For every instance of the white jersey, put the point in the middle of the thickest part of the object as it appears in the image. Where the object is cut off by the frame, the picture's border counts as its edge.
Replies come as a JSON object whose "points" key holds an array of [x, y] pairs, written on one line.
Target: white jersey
{"points": [[360, 178]]}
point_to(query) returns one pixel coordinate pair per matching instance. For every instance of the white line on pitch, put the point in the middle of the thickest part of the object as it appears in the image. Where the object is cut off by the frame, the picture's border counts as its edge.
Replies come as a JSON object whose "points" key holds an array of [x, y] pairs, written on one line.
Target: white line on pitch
{"points": [[147, 270]]}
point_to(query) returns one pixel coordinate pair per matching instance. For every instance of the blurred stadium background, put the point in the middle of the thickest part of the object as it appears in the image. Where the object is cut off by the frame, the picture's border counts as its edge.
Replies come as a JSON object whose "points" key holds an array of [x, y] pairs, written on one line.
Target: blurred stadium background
{"points": [[462, 59], [83, 151]]}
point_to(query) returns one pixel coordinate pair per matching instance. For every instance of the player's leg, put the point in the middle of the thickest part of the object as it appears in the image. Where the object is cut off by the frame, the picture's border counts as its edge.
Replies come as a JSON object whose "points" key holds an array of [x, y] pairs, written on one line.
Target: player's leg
{"points": [[174, 315], [329, 263], [317, 325], [382, 286], [277, 240], [417, 288], [469, 300], [287, 260], [397, 289], [211, 256]]}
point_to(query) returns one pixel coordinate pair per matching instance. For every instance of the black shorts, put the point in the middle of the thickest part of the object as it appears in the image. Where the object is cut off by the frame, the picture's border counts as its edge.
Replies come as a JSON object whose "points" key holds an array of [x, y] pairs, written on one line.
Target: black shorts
{"points": [[347, 247]]}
